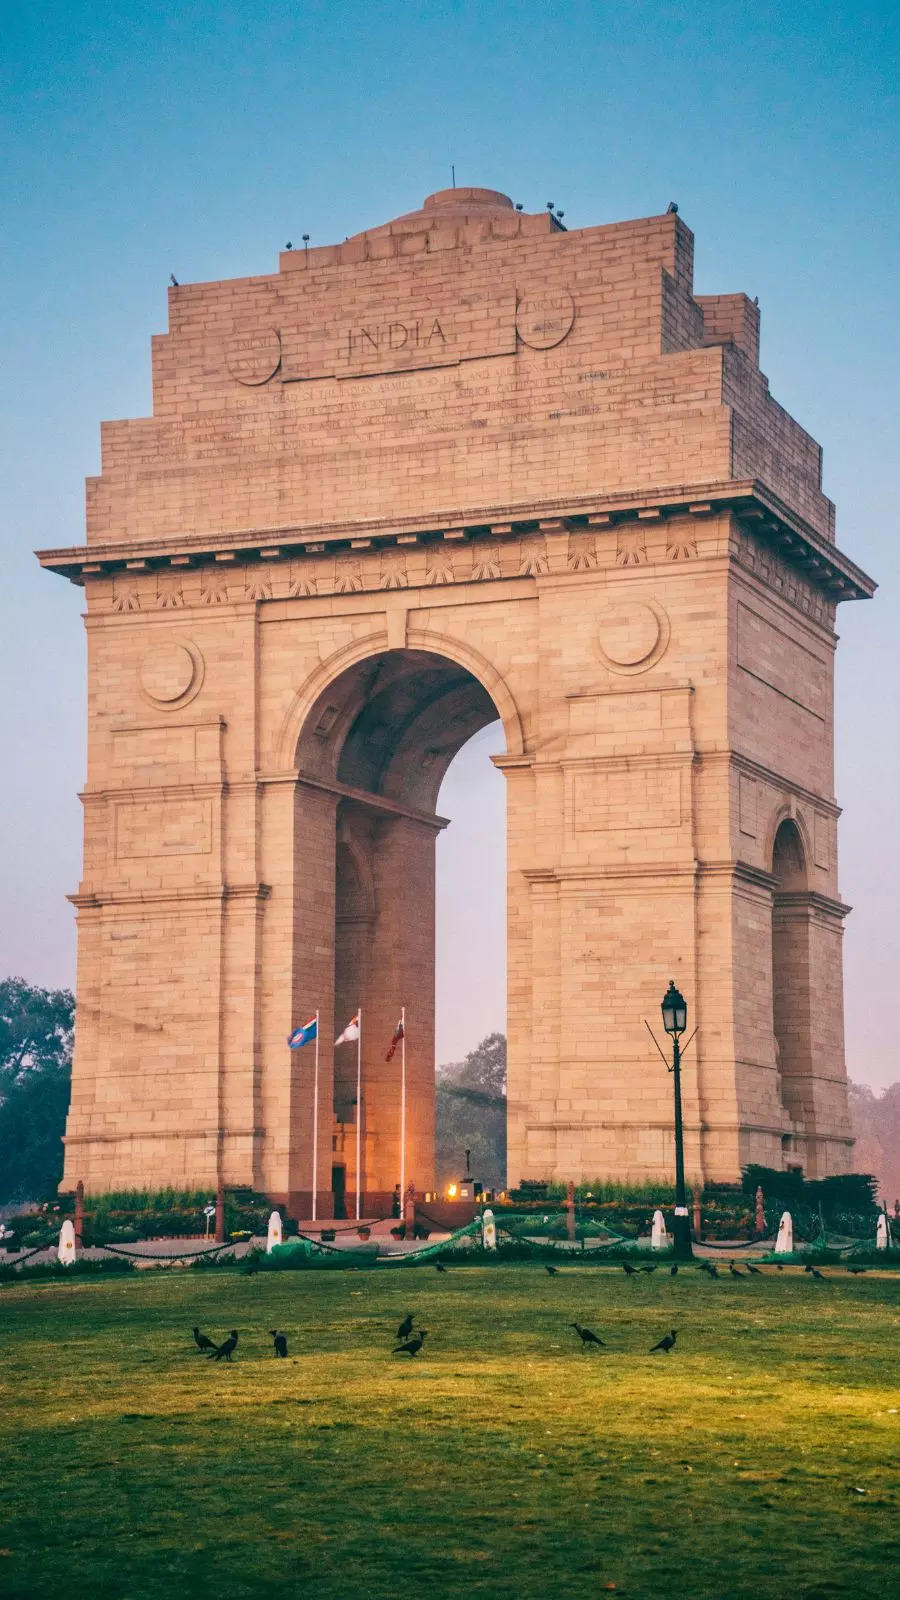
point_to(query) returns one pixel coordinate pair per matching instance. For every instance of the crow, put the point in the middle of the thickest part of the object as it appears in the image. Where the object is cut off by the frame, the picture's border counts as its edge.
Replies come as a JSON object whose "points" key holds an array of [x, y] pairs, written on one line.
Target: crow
{"points": [[438, 1267], [673, 1270], [551, 1271], [225, 1349], [815, 1273], [413, 1345], [710, 1268], [649, 1267], [778, 1267], [756, 1271], [629, 1270], [406, 1326], [734, 1271], [250, 1269], [201, 1340], [586, 1336], [667, 1343], [857, 1270], [280, 1342]]}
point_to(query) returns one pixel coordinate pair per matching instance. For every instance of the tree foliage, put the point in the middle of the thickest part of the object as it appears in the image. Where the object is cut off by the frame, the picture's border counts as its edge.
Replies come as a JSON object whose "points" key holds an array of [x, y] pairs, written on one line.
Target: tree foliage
{"points": [[470, 1114], [36, 1032]]}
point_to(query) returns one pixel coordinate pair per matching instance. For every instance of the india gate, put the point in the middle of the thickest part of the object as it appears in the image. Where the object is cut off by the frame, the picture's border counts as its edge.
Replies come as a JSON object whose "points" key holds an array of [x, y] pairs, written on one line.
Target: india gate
{"points": [[466, 465]]}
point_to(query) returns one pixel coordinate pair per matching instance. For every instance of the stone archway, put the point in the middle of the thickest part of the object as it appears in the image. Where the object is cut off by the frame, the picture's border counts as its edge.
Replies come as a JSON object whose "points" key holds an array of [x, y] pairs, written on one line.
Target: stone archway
{"points": [[374, 747]]}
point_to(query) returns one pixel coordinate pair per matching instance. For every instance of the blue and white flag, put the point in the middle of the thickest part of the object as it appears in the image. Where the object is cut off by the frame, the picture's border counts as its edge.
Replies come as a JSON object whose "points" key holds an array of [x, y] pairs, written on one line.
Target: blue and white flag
{"points": [[303, 1035]]}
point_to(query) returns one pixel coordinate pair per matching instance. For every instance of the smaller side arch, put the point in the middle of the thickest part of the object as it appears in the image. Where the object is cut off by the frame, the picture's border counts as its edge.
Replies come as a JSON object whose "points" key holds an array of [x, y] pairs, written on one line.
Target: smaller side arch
{"points": [[788, 811]]}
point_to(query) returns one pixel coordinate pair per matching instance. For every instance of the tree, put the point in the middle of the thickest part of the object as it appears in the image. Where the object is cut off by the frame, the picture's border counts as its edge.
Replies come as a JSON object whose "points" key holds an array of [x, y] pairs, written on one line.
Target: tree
{"points": [[36, 1032], [470, 1114]]}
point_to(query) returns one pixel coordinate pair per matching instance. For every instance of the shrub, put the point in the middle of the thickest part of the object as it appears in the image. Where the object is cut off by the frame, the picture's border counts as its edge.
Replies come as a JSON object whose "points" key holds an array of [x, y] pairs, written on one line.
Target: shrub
{"points": [[77, 1269]]}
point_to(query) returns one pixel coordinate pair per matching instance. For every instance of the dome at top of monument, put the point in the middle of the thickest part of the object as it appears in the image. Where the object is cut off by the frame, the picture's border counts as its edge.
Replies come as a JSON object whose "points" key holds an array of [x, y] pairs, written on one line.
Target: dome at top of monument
{"points": [[447, 207]]}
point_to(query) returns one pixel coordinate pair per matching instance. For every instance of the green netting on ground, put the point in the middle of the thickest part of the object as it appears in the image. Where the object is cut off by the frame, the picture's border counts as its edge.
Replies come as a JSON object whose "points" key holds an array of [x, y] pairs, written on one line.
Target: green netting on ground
{"points": [[304, 1252], [470, 1231]]}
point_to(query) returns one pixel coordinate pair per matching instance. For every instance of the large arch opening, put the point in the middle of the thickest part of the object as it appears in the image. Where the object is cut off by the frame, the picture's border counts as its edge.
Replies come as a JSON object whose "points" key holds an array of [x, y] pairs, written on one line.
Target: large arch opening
{"points": [[791, 972], [372, 755]]}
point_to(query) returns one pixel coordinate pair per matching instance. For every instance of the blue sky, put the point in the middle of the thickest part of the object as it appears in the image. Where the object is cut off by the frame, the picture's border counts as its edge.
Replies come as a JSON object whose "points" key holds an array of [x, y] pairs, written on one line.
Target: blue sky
{"points": [[140, 139]]}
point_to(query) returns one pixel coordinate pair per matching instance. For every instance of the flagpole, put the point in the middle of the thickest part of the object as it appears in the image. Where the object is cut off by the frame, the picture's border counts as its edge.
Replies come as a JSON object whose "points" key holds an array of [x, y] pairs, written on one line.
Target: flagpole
{"points": [[403, 1112], [315, 1160], [358, 1104]]}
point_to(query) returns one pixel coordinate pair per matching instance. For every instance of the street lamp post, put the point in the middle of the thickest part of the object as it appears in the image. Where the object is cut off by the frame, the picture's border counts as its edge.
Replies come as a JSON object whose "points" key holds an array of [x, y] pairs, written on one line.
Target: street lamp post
{"points": [[674, 1015]]}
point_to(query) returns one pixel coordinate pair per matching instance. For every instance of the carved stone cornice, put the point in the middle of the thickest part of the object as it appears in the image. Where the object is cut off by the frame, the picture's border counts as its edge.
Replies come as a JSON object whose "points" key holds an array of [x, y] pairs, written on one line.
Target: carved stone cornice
{"points": [[795, 539]]}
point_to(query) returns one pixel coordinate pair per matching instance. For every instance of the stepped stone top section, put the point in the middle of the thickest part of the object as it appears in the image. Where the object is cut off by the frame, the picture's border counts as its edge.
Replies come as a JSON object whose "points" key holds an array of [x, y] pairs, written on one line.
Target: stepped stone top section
{"points": [[463, 366]]}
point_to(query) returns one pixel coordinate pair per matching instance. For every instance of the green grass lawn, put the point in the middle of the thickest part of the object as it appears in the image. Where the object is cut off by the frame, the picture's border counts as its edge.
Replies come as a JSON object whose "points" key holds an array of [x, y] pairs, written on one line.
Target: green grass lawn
{"points": [[502, 1462]]}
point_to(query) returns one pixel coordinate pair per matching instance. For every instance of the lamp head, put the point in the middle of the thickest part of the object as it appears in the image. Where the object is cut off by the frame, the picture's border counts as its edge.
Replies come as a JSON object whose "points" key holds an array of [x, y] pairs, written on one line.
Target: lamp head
{"points": [[674, 1010]]}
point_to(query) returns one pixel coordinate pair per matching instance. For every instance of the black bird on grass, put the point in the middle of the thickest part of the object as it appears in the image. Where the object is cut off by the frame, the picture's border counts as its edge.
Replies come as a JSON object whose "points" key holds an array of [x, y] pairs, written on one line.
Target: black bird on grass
{"points": [[551, 1271], [667, 1342], [586, 1336], [815, 1273], [225, 1349], [756, 1271], [629, 1270], [673, 1270], [438, 1267], [201, 1340], [280, 1342], [710, 1268], [734, 1271], [649, 1266], [250, 1268], [857, 1270], [413, 1345], [406, 1326]]}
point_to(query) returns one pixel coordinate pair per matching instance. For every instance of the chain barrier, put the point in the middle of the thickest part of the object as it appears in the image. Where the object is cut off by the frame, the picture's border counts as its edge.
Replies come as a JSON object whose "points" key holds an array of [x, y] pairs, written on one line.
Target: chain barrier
{"points": [[36, 1250], [163, 1255]]}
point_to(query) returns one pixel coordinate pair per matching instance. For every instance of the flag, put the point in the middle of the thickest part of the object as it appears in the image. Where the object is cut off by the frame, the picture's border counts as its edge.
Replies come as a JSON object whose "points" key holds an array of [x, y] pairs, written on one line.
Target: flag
{"points": [[351, 1031], [398, 1035], [303, 1035]]}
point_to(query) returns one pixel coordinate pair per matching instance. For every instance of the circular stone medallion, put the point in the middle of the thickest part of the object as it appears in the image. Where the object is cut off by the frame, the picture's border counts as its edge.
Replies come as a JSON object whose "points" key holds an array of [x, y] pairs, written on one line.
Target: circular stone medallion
{"points": [[632, 635], [170, 671], [253, 358], [544, 320]]}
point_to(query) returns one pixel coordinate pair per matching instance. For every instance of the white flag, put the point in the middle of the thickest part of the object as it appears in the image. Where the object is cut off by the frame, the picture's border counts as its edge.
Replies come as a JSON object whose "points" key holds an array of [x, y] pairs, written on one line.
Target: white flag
{"points": [[350, 1032]]}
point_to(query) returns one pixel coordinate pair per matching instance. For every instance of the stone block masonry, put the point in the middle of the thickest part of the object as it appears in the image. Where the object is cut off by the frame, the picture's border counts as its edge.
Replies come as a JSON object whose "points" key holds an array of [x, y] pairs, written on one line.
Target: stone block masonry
{"points": [[466, 465]]}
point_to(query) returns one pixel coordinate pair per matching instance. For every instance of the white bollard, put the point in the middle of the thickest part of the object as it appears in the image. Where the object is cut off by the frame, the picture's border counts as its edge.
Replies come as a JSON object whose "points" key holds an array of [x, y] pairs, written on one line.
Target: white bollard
{"points": [[659, 1239], [784, 1244], [881, 1233], [489, 1230], [66, 1251], [274, 1235]]}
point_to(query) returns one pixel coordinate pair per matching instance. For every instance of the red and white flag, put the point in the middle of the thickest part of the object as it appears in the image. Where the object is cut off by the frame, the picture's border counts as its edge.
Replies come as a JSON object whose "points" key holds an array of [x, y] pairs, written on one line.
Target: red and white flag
{"points": [[350, 1032], [398, 1035]]}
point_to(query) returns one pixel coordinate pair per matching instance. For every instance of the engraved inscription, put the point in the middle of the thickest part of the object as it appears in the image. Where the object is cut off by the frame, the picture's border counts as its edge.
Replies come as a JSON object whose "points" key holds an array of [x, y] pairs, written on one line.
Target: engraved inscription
{"points": [[418, 335], [253, 358], [545, 319]]}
